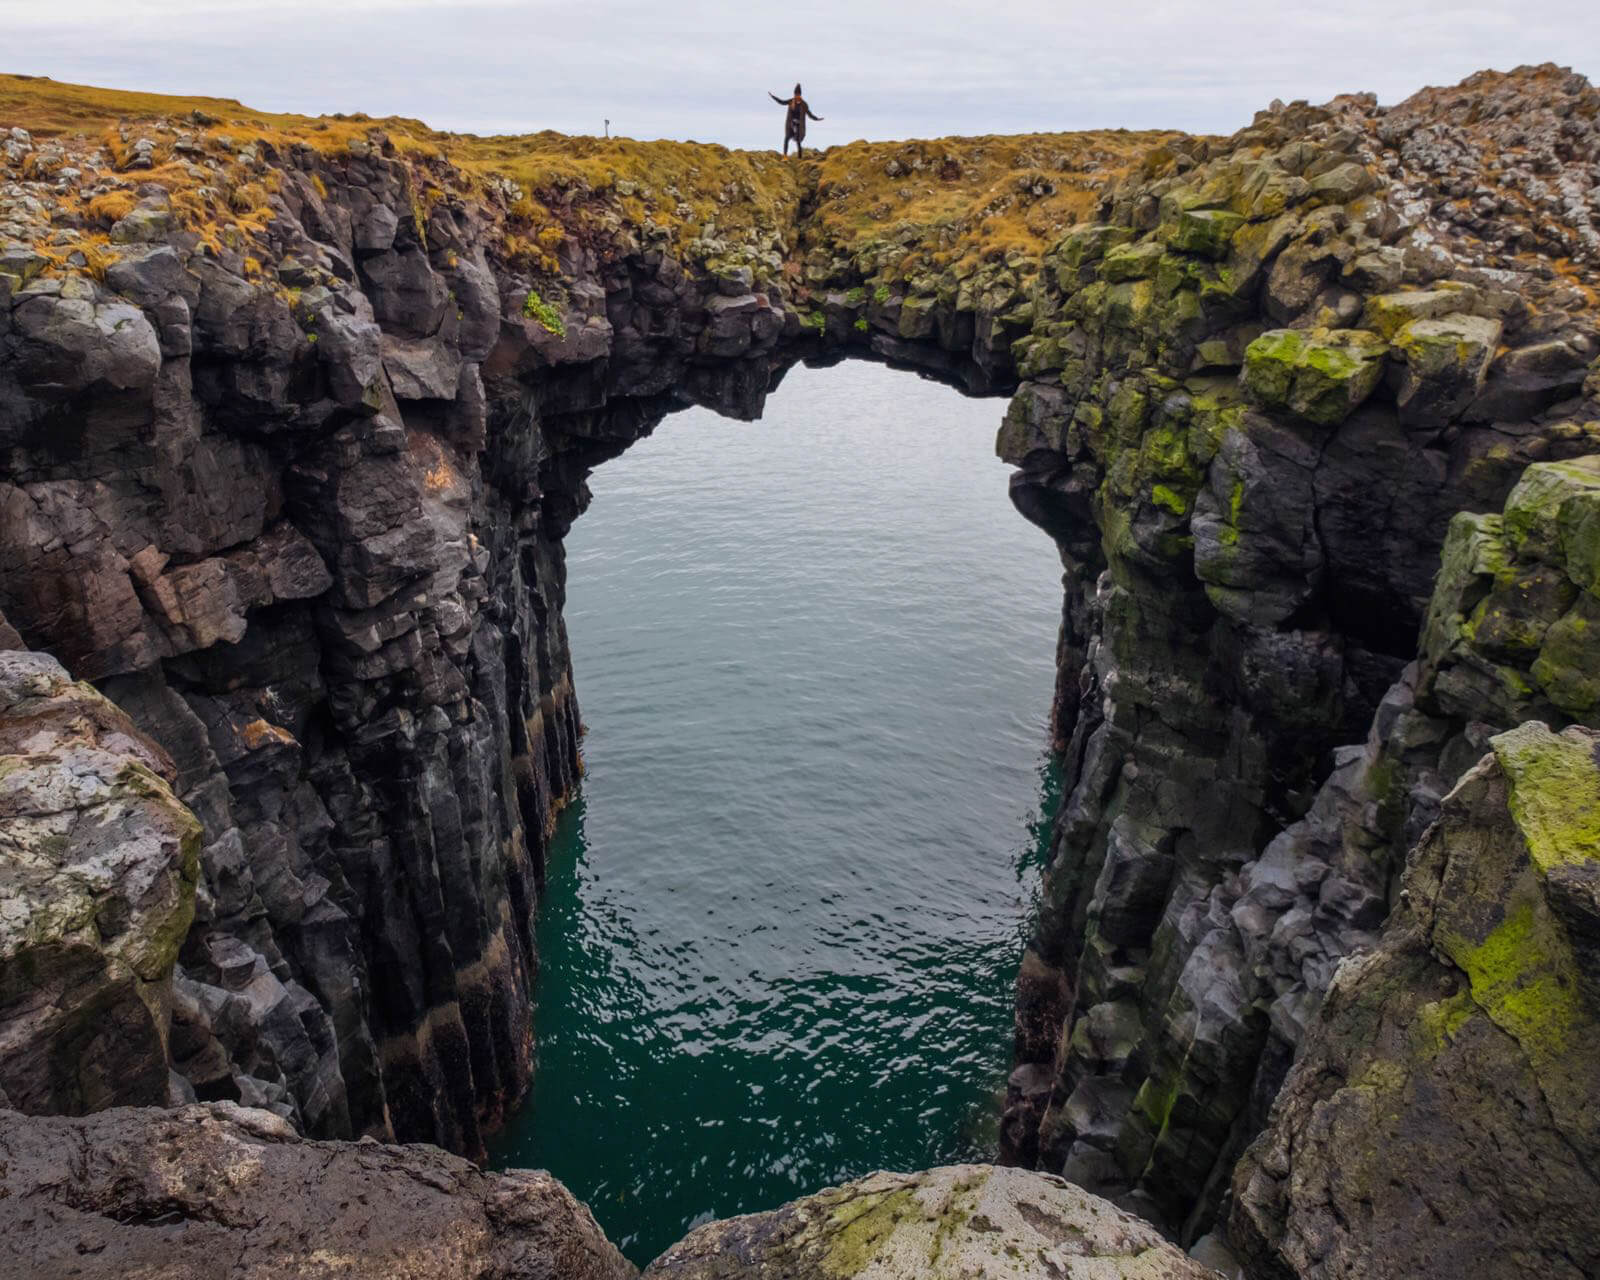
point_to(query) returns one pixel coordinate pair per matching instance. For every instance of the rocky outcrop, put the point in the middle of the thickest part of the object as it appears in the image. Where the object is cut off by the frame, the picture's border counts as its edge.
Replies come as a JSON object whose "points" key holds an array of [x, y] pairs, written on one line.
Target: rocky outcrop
{"points": [[1441, 1119], [220, 1190], [98, 863], [1257, 390], [295, 416], [959, 1221]]}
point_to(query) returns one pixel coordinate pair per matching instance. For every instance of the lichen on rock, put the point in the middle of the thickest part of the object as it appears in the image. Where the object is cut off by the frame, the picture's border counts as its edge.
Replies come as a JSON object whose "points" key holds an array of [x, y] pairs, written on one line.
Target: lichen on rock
{"points": [[954, 1223], [1452, 1069], [98, 864]]}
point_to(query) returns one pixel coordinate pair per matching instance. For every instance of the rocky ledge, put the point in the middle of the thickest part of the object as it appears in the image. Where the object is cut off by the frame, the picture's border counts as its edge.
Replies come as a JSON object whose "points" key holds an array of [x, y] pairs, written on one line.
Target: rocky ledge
{"points": [[222, 1190], [1441, 1120], [98, 863]]}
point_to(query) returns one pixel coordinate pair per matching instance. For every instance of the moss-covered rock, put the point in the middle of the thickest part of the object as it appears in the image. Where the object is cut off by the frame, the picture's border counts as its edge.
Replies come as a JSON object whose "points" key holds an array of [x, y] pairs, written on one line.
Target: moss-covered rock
{"points": [[1320, 375], [1131, 262], [1388, 313], [956, 1223], [1578, 525], [1454, 1067], [1568, 666], [1445, 364], [1208, 232], [1533, 509]]}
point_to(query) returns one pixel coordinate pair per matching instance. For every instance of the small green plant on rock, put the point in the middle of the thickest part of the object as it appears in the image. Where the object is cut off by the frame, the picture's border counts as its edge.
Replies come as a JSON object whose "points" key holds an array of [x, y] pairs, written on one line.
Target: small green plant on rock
{"points": [[880, 295], [536, 308], [815, 320], [861, 324]]}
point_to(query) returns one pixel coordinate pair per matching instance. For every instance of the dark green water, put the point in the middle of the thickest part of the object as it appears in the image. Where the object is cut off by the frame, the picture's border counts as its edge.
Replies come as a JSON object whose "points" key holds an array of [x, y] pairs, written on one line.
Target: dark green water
{"points": [[814, 656]]}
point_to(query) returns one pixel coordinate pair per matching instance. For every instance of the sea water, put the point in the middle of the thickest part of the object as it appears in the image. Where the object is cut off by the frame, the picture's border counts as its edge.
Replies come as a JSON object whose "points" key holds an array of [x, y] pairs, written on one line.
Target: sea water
{"points": [[814, 656]]}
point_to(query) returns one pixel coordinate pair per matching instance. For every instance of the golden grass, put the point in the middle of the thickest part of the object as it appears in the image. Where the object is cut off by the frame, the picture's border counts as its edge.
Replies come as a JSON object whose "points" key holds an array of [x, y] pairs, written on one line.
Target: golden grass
{"points": [[960, 198], [111, 206], [972, 198]]}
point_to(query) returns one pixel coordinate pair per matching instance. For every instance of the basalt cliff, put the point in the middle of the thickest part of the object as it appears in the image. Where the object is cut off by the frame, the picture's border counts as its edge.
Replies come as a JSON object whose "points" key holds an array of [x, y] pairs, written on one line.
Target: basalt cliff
{"points": [[295, 414]]}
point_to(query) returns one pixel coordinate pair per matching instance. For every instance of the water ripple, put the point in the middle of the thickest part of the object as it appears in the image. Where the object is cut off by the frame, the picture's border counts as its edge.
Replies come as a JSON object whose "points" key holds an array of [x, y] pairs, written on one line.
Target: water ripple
{"points": [[814, 655]]}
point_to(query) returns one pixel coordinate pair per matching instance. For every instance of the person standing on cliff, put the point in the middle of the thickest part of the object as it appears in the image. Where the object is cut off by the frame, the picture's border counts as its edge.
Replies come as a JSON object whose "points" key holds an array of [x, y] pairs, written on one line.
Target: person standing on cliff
{"points": [[794, 126]]}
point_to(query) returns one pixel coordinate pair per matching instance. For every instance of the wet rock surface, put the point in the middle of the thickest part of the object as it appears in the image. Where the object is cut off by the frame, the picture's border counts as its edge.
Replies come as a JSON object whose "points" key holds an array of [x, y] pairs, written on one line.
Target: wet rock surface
{"points": [[967, 1221], [221, 1190]]}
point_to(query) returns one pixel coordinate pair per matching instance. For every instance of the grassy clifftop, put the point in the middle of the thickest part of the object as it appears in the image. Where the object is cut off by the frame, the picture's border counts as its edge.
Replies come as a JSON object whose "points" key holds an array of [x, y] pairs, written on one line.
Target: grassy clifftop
{"points": [[956, 199]]}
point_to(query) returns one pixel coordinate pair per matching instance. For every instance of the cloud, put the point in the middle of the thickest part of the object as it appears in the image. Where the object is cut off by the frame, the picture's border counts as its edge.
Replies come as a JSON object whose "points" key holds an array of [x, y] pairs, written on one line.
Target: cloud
{"points": [[874, 68]]}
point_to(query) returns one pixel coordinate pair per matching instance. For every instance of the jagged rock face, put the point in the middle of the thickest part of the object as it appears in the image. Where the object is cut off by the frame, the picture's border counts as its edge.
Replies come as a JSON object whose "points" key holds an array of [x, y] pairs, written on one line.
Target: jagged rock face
{"points": [[1256, 392], [98, 863], [958, 1221], [205, 1191], [304, 521], [1442, 1119]]}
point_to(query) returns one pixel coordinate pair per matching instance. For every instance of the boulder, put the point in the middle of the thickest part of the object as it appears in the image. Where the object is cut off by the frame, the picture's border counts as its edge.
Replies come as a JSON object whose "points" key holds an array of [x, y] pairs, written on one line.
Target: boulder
{"points": [[98, 864], [964, 1221], [1322, 375], [1446, 361], [204, 1191]]}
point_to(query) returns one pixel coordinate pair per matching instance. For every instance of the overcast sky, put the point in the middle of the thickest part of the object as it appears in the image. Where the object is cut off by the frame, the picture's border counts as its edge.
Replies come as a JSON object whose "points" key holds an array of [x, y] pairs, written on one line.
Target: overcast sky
{"points": [[874, 68]]}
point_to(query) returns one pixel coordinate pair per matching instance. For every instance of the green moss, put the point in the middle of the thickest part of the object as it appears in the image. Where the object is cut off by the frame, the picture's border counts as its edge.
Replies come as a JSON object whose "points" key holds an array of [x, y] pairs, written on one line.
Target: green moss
{"points": [[1437, 1022], [1388, 313], [815, 320], [1321, 376], [1131, 262], [1578, 524], [1164, 496], [1090, 242], [1568, 665], [1128, 304], [1522, 979], [861, 324], [1555, 794], [880, 295], [1205, 231], [952, 1220], [1155, 1102], [855, 296], [856, 1231], [1533, 509], [549, 318]]}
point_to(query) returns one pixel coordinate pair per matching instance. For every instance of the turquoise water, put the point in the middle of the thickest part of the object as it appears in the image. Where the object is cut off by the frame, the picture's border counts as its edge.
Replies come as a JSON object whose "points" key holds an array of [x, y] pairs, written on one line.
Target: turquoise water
{"points": [[814, 656]]}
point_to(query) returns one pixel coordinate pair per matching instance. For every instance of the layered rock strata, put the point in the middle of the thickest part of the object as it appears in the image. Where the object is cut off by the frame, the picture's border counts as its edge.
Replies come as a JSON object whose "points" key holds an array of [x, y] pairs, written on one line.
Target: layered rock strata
{"points": [[216, 1190]]}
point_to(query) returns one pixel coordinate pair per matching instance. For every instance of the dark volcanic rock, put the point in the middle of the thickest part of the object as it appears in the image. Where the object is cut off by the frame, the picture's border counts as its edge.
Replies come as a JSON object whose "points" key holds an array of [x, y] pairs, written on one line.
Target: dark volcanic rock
{"points": [[203, 1192], [301, 514], [1442, 1118], [1272, 377]]}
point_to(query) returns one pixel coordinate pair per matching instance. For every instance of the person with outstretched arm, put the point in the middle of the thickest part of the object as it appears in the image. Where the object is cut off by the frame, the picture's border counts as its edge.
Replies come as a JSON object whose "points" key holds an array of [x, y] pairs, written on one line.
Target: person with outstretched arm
{"points": [[794, 126]]}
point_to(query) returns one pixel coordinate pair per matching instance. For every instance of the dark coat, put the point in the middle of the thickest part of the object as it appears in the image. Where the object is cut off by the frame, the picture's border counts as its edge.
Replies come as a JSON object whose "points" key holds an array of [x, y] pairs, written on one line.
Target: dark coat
{"points": [[795, 123]]}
